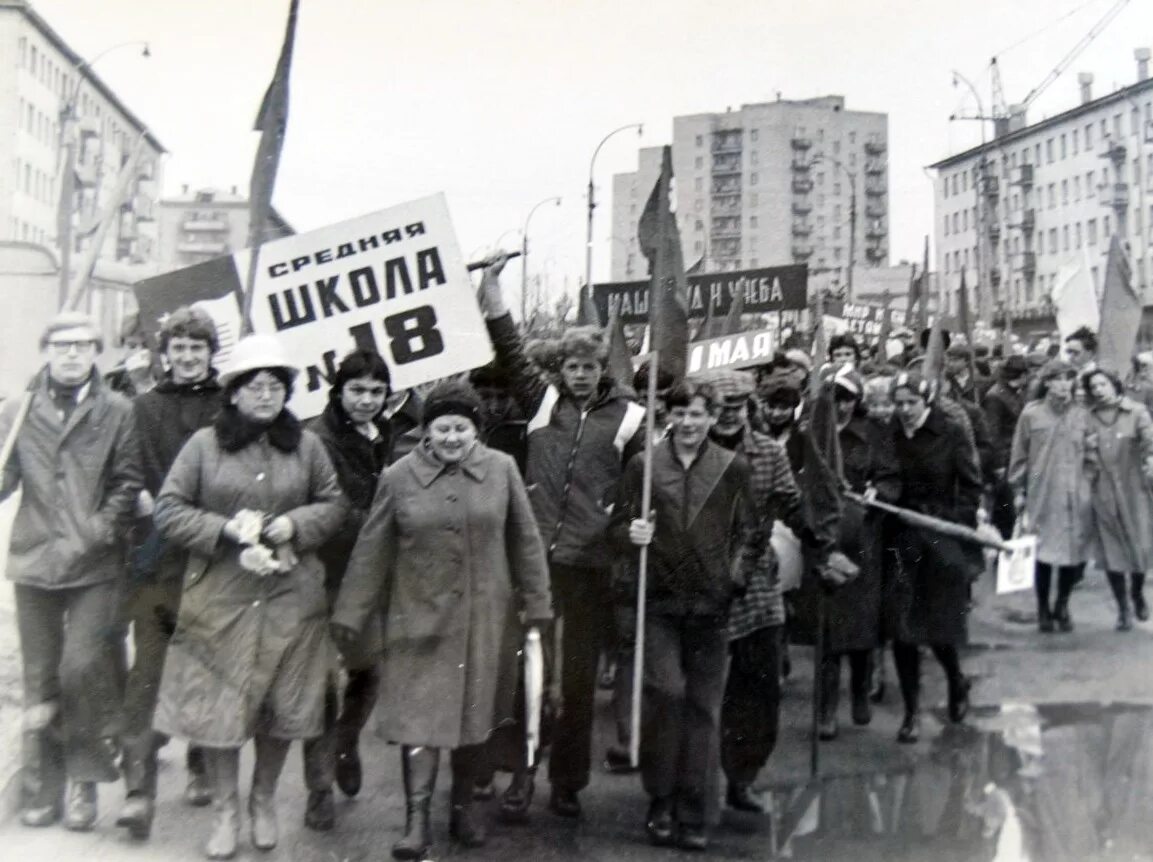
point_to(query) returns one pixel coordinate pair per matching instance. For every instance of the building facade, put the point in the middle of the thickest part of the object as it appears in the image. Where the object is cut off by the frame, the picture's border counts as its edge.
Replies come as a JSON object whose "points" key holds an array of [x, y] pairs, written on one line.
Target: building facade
{"points": [[1043, 199], [53, 106], [198, 225], [770, 184]]}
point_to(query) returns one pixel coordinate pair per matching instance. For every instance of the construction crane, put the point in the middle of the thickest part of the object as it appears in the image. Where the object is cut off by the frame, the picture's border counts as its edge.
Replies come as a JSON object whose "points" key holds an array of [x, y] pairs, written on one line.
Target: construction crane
{"points": [[1000, 112]]}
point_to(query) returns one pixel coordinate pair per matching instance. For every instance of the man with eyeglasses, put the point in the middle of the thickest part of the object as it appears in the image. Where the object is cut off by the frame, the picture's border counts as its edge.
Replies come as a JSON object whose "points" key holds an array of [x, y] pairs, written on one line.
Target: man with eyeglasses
{"points": [[76, 460], [185, 400]]}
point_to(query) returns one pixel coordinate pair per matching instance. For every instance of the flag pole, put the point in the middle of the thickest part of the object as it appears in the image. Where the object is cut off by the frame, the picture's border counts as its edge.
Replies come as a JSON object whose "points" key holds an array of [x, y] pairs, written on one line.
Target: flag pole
{"points": [[643, 565]]}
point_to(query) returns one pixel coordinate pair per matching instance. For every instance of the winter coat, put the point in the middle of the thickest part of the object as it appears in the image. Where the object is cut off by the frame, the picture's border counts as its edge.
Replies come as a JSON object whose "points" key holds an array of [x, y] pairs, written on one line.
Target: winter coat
{"points": [[708, 536], [576, 454], [926, 596], [1047, 465], [1002, 406], [359, 463], [1122, 523], [166, 417], [80, 480], [404, 423], [450, 554], [250, 652], [853, 610]]}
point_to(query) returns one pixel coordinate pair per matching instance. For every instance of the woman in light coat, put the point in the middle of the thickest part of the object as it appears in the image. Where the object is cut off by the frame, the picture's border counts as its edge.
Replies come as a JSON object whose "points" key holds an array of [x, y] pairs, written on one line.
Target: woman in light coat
{"points": [[1122, 505], [450, 553], [252, 498], [1047, 466]]}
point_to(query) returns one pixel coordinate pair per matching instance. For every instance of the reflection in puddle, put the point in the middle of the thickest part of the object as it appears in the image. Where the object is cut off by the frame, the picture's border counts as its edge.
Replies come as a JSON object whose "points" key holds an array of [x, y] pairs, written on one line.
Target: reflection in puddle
{"points": [[1018, 783]]}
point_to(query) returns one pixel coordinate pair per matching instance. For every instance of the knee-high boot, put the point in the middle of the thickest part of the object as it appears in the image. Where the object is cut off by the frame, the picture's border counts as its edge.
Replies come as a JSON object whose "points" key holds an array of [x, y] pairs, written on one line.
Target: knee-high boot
{"points": [[419, 766], [1118, 585], [1137, 592], [907, 658], [465, 824], [827, 727], [270, 756], [860, 670], [223, 772]]}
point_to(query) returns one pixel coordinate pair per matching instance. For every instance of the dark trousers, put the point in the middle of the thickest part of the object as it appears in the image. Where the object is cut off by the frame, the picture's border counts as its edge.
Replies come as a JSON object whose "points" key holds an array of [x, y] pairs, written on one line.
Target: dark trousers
{"points": [[684, 684], [583, 602], [151, 607], [342, 724], [71, 694], [752, 704], [907, 658]]}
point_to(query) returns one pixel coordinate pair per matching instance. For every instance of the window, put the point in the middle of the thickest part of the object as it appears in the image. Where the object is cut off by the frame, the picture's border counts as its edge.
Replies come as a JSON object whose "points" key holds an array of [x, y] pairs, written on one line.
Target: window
{"points": [[1052, 240], [1076, 138], [836, 146], [753, 157], [852, 137], [1065, 238], [1104, 129], [1090, 188], [753, 222], [1135, 121], [753, 179], [699, 163], [700, 140], [1037, 155], [1105, 228], [1052, 195], [753, 135], [699, 183], [754, 199], [1088, 136], [1064, 150], [1064, 192], [1091, 231], [1077, 234], [33, 57], [820, 179], [965, 219], [946, 225], [836, 188], [947, 266], [1077, 188]]}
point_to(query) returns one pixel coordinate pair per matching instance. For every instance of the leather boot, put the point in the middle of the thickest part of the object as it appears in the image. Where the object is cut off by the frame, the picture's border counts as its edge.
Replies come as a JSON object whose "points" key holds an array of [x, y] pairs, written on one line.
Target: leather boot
{"points": [[139, 766], [1137, 592], [80, 813], [465, 824], [860, 671], [827, 727], [223, 772], [1117, 585], [419, 767], [198, 791], [270, 756]]}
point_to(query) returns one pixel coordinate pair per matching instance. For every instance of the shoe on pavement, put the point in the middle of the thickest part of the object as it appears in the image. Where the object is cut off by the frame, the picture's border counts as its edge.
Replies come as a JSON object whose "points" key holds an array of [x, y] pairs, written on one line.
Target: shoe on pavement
{"points": [[80, 812], [659, 823], [136, 816], [39, 816], [484, 791], [959, 700], [618, 762], [198, 791], [320, 811], [862, 710], [515, 801], [742, 797], [910, 730], [564, 803], [692, 837]]}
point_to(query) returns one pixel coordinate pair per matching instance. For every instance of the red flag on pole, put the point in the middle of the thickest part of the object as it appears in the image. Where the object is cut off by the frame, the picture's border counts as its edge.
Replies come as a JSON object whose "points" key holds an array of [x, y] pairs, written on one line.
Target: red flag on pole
{"points": [[620, 357], [668, 287], [732, 324], [271, 122], [1120, 311], [587, 314], [935, 350]]}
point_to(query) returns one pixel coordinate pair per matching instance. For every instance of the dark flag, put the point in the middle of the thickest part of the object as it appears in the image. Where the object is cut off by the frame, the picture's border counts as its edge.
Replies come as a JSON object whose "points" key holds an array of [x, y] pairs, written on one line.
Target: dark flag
{"points": [[1120, 311], [732, 324], [660, 242], [934, 365], [271, 122], [620, 357], [586, 310]]}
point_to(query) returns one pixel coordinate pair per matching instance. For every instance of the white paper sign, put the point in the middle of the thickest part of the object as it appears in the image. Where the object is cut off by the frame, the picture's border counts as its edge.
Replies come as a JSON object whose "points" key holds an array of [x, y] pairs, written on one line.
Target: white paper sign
{"points": [[1015, 569], [732, 351], [394, 281]]}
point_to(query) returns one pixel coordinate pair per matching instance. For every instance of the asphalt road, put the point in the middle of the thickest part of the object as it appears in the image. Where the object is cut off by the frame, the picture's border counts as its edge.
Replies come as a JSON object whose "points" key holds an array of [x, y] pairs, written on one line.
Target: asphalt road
{"points": [[1010, 662]]}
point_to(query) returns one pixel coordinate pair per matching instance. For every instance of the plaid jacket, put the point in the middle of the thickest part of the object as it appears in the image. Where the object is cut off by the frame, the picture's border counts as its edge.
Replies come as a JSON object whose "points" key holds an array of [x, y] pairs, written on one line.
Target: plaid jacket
{"points": [[777, 496]]}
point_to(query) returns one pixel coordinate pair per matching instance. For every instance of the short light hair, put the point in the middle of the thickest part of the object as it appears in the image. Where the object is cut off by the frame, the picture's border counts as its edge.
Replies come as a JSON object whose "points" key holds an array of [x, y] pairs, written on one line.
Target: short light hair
{"points": [[586, 342], [71, 320]]}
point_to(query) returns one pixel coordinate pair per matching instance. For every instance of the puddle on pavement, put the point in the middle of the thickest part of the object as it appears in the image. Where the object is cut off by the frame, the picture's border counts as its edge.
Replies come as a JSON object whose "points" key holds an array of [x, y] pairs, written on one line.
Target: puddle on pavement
{"points": [[1016, 783]]}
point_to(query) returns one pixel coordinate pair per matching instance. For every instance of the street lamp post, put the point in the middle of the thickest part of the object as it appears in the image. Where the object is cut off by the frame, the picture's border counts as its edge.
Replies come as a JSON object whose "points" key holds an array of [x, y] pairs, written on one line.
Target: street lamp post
{"points": [[67, 180], [592, 199], [982, 210], [524, 257]]}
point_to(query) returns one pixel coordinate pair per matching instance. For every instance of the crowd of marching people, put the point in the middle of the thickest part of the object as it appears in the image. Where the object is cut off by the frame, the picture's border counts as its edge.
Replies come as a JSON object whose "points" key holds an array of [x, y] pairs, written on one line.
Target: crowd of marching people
{"points": [[191, 560]]}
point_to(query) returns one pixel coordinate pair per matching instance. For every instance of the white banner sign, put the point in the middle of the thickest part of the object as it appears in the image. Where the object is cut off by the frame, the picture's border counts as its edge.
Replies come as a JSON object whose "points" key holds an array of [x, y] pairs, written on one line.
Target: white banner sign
{"points": [[393, 281], [731, 351]]}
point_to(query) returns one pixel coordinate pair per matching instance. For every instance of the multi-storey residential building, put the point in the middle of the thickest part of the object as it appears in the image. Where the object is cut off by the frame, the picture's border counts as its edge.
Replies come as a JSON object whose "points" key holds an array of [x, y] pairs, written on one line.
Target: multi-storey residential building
{"points": [[1043, 197], [772, 183], [52, 103], [196, 226]]}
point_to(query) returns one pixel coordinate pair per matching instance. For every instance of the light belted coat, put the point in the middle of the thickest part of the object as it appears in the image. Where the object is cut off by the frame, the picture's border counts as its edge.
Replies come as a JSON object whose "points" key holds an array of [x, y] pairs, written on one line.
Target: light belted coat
{"points": [[450, 553], [1122, 533], [250, 653]]}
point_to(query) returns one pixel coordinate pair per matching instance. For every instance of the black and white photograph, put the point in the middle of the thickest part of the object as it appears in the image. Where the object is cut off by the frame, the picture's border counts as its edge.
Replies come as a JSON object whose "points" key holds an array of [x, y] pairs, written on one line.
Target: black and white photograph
{"points": [[576, 430]]}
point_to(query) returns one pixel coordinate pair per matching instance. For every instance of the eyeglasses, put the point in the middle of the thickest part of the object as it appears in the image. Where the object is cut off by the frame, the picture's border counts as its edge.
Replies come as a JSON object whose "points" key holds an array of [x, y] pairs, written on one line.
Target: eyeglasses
{"points": [[80, 345], [273, 388]]}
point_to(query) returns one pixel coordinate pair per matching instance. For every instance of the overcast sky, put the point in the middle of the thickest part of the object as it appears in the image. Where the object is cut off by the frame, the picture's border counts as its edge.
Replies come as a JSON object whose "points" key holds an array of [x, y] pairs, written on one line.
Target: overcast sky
{"points": [[500, 103]]}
